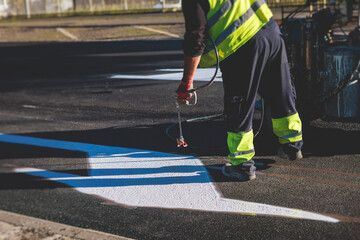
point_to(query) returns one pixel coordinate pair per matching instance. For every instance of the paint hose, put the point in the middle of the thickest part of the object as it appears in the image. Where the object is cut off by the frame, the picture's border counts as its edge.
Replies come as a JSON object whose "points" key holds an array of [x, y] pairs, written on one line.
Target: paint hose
{"points": [[208, 84], [193, 91], [212, 117]]}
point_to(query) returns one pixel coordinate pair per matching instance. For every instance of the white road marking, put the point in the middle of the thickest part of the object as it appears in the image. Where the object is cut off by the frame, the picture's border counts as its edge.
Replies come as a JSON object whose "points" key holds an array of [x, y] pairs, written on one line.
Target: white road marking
{"points": [[129, 54], [200, 75], [157, 31], [142, 178], [29, 106], [67, 34]]}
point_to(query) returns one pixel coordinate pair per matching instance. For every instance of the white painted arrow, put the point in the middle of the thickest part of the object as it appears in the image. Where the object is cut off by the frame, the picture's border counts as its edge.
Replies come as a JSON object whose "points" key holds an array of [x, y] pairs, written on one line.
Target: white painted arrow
{"points": [[142, 178]]}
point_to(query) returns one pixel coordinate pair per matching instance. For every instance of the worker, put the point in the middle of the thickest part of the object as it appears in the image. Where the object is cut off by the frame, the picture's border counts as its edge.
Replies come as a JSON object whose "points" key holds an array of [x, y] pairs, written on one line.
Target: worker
{"points": [[252, 59]]}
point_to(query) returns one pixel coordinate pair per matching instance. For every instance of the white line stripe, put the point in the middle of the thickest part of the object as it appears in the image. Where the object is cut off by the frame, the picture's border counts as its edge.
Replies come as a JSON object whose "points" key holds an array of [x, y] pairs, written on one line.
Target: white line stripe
{"points": [[157, 31], [176, 75], [142, 178], [128, 54], [29, 106], [66, 33]]}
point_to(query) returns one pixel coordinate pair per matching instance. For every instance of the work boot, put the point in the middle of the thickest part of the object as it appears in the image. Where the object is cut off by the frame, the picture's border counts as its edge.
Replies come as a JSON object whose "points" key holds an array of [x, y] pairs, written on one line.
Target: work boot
{"points": [[289, 153], [243, 172]]}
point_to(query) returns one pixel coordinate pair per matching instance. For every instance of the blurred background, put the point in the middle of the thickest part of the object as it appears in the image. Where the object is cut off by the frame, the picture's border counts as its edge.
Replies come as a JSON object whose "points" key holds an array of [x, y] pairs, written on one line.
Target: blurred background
{"points": [[318, 35], [31, 8]]}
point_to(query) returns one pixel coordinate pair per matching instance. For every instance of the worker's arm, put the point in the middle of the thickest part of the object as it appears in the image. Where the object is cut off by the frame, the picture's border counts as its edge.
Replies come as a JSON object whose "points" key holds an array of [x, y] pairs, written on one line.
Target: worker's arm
{"points": [[190, 66], [193, 45]]}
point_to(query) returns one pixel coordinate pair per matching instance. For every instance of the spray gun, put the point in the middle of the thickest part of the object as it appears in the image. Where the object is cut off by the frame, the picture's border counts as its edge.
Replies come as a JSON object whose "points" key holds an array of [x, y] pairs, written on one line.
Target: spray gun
{"points": [[180, 141]]}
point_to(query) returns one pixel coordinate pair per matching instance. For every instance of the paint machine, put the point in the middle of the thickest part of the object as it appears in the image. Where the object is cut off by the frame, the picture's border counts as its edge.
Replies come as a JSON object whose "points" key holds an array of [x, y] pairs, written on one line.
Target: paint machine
{"points": [[324, 67]]}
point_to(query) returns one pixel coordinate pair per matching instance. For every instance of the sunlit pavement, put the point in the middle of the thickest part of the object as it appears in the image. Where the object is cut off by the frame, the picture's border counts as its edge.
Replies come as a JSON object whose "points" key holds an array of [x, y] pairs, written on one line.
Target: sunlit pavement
{"points": [[85, 147]]}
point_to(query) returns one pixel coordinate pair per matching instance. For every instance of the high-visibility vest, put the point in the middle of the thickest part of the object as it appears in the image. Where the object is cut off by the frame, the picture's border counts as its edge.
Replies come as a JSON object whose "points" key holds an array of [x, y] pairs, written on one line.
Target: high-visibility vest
{"points": [[231, 23]]}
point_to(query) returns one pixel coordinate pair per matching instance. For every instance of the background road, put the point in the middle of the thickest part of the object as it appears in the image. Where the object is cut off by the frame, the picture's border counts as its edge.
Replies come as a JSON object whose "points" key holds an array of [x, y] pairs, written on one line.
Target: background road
{"points": [[62, 91]]}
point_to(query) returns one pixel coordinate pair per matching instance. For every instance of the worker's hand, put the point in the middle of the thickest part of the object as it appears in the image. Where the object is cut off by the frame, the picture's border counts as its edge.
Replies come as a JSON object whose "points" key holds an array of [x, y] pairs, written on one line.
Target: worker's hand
{"points": [[182, 91]]}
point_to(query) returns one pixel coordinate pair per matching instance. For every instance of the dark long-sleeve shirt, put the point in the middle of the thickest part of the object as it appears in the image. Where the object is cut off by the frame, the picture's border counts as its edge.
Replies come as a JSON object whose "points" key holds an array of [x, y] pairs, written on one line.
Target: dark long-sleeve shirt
{"points": [[195, 26]]}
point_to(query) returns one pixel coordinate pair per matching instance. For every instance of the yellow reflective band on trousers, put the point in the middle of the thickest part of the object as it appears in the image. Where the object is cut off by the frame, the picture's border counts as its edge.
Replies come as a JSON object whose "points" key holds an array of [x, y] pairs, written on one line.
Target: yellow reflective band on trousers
{"points": [[231, 24], [288, 129], [241, 147]]}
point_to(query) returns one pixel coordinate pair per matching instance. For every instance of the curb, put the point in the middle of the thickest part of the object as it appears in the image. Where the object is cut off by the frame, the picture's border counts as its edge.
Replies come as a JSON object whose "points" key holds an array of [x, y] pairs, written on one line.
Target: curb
{"points": [[16, 226]]}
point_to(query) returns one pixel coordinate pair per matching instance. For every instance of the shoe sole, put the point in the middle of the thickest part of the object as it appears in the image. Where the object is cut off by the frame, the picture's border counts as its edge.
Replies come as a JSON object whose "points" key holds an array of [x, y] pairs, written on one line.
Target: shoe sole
{"points": [[283, 155], [240, 177]]}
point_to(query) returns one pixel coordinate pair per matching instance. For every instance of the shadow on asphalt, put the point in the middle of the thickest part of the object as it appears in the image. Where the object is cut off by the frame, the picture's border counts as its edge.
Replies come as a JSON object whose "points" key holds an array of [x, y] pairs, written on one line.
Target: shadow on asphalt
{"points": [[208, 137], [37, 180], [56, 60], [326, 142], [217, 176]]}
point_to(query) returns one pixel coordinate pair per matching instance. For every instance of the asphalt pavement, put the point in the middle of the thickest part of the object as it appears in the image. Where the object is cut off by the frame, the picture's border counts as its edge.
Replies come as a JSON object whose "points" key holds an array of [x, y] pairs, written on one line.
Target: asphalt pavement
{"points": [[66, 93]]}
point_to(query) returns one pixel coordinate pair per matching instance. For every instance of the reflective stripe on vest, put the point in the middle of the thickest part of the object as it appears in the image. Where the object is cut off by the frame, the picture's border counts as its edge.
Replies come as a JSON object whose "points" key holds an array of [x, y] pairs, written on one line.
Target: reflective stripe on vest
{"points": [[224, 8], [235, 25], [258, 14]]}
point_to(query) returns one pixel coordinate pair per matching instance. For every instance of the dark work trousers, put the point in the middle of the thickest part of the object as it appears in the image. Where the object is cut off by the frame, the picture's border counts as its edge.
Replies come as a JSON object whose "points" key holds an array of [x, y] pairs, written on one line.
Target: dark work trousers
{"points": [[260, 65]]}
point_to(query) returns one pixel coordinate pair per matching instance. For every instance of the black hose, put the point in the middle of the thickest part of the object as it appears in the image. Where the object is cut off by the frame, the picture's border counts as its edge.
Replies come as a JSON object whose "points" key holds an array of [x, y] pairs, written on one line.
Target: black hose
{"points": [[208, 84], [193, 120], [212, 116]]}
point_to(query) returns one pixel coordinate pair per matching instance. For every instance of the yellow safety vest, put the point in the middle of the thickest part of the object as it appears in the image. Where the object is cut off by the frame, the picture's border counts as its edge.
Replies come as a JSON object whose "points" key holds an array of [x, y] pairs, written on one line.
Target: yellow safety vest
{"points": [[231, 24]]}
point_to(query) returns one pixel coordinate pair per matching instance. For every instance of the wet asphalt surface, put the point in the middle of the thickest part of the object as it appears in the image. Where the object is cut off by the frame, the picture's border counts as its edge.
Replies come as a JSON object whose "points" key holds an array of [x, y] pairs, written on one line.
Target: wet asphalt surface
{"points": [[62, 91]]}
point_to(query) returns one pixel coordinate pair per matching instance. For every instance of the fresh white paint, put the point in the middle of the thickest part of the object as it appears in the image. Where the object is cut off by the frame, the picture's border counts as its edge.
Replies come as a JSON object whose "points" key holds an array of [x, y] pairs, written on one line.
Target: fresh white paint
{"points": [[29, 106], [142, 178], [202, 74]]}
